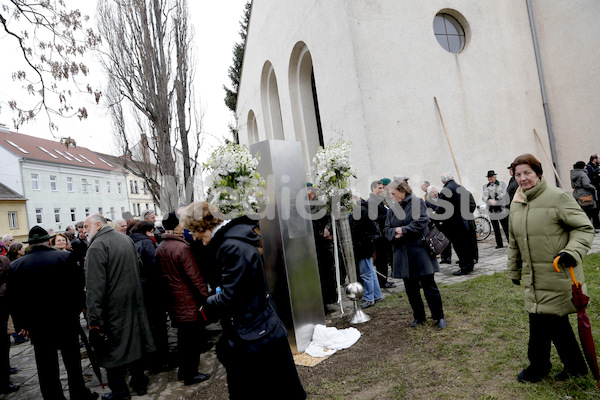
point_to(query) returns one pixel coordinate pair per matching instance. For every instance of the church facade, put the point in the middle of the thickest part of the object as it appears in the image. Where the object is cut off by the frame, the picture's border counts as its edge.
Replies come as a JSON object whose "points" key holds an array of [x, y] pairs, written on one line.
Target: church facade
{"points": [[424, 87]]}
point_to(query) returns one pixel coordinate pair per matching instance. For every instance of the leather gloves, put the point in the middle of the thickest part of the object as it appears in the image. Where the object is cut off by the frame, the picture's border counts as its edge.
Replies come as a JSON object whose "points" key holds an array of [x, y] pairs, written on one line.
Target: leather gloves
{"points": [[566, 260], [98, 338]]}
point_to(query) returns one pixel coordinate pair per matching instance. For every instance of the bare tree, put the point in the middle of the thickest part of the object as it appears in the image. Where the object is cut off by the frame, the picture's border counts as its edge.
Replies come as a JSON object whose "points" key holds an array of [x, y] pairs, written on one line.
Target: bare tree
{"points": [[53, 40], [148, 60]]}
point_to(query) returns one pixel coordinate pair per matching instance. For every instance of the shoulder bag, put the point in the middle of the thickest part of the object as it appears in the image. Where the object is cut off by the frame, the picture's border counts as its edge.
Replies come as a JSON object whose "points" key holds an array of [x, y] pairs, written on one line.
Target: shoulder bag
{"points": [[584, 201], [435, 242]]}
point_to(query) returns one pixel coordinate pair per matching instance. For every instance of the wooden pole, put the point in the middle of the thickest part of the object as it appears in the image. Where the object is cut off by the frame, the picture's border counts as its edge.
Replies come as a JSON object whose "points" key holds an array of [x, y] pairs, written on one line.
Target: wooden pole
{"points": [[447, 139], [549, 159]]}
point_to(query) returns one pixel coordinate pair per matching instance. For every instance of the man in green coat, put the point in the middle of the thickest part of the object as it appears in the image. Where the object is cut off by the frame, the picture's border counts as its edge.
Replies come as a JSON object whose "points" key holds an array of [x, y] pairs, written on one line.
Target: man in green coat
{"points": [[119, 328]]}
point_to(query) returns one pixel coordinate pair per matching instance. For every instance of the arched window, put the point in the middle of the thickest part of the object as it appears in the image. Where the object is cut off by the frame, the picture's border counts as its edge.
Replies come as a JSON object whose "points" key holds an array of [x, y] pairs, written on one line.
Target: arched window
{"points": [[270, 103], [252, 128], [305, 104]]}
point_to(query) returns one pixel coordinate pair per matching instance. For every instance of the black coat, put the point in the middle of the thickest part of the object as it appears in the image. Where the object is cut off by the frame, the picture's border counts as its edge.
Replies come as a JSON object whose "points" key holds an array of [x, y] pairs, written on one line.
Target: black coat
{"points": [[411, 259], [511, 189], [44, 289], [364, 233], [453, 221], [377, 210], [150, 273], [254, 347]]}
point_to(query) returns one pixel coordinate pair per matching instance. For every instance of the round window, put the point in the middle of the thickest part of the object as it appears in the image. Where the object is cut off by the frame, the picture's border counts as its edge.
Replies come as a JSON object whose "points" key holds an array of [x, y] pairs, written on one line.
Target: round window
{"points": [[449, 33]]}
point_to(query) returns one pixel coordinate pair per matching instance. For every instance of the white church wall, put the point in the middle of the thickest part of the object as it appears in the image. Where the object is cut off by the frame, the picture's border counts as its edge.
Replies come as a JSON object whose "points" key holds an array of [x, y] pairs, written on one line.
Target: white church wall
{"points": [[378, 66]]}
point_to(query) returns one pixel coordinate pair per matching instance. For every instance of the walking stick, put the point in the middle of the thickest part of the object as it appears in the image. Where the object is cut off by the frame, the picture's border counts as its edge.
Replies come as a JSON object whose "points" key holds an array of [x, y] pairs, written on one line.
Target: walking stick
{"points": [[549, 159], [447, 139]]}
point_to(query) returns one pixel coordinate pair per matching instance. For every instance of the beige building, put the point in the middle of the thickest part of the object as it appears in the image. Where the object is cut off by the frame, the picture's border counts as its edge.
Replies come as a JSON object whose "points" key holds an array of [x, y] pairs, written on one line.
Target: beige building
{"points": [[369, 71], [139, 197], [13, 214]]}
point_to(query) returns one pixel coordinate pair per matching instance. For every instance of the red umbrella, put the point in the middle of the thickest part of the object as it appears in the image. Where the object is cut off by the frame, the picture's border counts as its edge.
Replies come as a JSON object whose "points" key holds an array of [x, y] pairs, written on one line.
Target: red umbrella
{"points": [[580, 301]]}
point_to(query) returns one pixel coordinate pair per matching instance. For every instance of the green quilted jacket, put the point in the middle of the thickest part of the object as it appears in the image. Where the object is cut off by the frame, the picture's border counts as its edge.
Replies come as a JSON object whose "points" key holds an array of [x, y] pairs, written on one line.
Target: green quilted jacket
{"points": [[545, 221]]}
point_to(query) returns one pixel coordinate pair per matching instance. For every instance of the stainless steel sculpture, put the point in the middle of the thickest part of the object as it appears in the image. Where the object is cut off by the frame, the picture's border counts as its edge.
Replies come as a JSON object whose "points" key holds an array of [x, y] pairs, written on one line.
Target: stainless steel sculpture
{"points": [[288, 242], [355, 292]]}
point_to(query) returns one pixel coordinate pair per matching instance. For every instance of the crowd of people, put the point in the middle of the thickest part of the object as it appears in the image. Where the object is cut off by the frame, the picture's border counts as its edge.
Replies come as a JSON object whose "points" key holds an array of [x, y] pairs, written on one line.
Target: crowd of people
{"points": [[540, 223], [130, 277]]}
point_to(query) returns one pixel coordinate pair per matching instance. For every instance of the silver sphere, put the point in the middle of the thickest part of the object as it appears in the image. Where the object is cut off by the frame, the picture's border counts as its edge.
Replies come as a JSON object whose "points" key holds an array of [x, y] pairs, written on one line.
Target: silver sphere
{"points": [[355, 291]]}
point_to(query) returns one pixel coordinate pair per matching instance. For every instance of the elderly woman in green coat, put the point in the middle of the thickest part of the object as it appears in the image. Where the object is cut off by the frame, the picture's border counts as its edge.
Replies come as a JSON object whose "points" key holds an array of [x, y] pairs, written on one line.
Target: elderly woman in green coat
{"points": [[546, 222]]}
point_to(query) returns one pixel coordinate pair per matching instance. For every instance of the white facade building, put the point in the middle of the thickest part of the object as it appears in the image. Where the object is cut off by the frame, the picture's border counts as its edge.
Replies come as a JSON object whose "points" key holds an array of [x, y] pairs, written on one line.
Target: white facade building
{"points": [[62, 184], [369, 71]]}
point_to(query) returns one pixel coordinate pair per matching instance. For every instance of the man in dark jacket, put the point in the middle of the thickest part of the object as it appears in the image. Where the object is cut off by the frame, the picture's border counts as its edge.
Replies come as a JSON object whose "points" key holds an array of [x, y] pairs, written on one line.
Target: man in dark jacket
{"points": [[593, 171], [80, 244], [364, 234], [512, 186], [119, 328], [187, 293], [453, 203], [383, 248], [44, 291], [324, 247], [5, 385]]}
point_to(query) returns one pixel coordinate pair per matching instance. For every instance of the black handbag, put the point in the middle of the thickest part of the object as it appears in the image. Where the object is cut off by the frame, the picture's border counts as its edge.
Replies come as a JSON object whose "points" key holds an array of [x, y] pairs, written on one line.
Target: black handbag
{"points": [[266, 325], [435, 242]]}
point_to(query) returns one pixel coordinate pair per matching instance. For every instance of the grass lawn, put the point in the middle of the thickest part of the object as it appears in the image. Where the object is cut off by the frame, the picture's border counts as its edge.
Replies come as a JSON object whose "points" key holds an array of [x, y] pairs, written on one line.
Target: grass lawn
{"points": [[477, 357]]}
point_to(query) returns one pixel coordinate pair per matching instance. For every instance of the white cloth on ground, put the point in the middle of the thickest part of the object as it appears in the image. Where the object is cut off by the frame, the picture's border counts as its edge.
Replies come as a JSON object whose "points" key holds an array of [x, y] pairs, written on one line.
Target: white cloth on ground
{"points": [[326, 341]]}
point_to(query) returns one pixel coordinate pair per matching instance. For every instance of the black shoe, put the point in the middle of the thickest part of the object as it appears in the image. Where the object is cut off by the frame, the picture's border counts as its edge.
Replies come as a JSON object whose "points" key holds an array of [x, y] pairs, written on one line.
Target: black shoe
{"points": [[499, 247], [389, 285], [446, 262], [527, 376], [564, 375], [441, 324], [9, 388], [196, 379], [140, 387], [461, 272], [14, 370], [416, 323], [111, 396]]}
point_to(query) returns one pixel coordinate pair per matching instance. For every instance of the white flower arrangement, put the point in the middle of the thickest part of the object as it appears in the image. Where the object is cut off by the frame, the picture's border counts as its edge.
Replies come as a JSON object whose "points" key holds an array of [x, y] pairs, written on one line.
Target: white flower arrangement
{"points": [[333, 170], [236, 187]]}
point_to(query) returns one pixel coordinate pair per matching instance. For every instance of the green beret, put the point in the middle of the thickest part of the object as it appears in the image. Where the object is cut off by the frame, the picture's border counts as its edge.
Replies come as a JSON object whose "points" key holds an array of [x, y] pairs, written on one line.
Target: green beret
{"points": [[309, 184], [385, 181]]}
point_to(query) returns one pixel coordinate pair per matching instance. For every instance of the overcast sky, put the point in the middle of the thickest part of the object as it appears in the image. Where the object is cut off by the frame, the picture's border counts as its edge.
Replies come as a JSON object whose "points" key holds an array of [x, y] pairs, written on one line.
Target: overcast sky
{"points": [[216, 26]]}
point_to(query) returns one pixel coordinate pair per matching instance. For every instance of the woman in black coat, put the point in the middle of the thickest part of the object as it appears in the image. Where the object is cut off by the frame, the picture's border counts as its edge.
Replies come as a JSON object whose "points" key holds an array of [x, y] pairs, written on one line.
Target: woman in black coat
{"points": [[253, 348], [405, 227]]}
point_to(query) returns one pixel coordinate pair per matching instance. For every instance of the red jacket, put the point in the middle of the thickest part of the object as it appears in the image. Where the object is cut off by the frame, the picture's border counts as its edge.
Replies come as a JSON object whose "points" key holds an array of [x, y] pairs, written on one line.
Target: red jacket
{"points": [[187, 290]]}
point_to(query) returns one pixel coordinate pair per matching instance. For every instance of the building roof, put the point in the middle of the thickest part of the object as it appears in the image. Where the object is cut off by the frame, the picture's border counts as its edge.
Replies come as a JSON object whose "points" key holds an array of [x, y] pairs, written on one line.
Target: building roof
{"points": [[8, 194], [121, 161], [55, 152]]}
